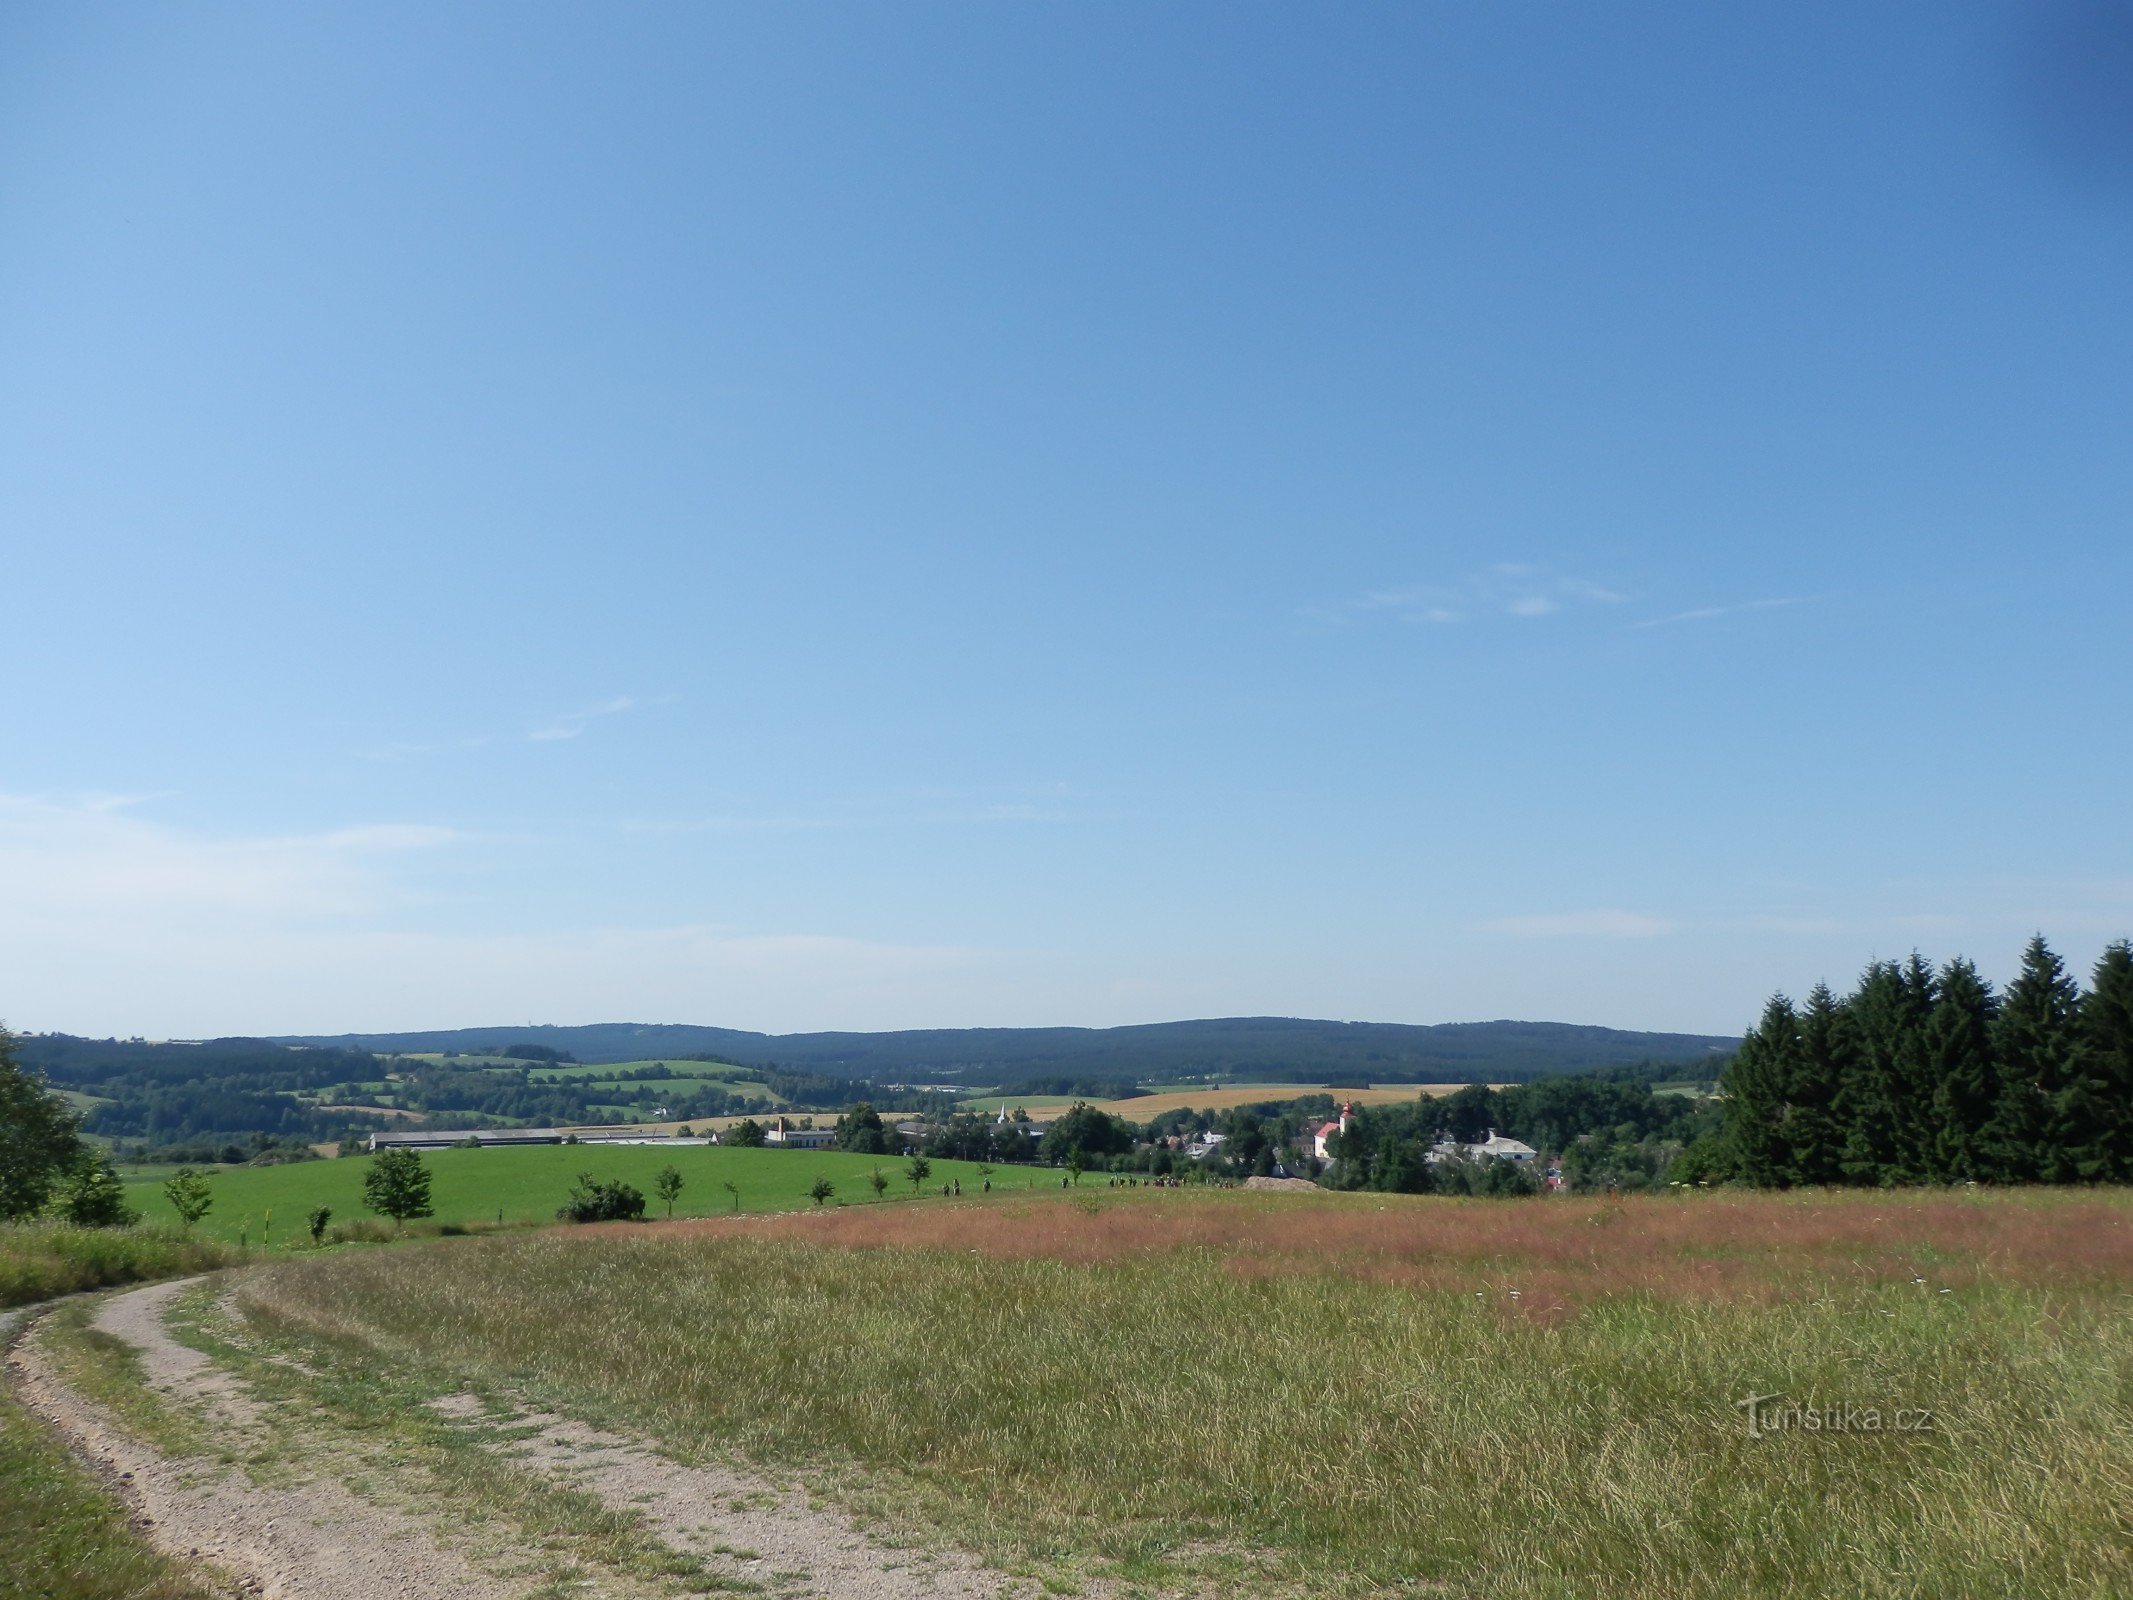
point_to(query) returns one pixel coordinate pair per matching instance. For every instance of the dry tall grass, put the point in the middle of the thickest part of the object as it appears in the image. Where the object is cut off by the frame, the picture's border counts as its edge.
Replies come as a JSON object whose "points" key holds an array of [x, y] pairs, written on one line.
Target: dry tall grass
{"points": [[1284, 1395], [39, 1260]]}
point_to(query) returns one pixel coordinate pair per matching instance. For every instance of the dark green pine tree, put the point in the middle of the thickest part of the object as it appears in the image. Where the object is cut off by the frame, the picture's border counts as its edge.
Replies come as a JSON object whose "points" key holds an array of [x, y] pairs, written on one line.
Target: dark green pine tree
{"points": [[1966, 1081], [1756, 1084], [1876, 1102], [2033, 1040], [2107, 1061], [1915, 1074], [1815, 1137]]}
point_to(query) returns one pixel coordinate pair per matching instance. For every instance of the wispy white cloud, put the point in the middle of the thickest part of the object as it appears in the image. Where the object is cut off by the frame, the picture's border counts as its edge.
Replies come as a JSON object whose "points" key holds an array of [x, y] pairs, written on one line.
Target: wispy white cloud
{"points": [[120, 923], [75, 859], [571, 724], [1582, 925], [1708, 613], [1508, 589]]}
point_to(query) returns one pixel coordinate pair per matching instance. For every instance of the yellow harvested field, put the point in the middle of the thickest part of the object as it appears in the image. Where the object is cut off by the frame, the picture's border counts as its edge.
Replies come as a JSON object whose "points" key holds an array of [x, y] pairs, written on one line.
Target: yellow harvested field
{"points": [[1142, 1107]]}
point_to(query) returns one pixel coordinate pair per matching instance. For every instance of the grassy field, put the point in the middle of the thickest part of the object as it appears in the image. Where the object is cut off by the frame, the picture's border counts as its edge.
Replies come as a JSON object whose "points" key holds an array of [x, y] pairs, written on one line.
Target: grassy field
{"points": [[992, 1103], [527, 1183], [1267, 1394]]}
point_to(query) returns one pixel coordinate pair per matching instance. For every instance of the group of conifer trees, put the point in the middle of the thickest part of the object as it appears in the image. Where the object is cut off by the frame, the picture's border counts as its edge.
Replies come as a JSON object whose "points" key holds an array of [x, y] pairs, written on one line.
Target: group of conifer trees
{"points": [[1920, 1076]]}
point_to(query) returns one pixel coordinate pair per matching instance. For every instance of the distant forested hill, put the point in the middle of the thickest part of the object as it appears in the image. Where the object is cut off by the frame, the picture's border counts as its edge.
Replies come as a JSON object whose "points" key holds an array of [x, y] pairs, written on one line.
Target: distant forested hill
{"points": [[1272, 1049]]}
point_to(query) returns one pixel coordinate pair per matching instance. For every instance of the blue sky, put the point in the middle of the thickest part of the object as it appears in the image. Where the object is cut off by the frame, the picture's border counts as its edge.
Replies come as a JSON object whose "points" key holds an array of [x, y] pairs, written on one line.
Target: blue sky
{"points": [[870, 516]]}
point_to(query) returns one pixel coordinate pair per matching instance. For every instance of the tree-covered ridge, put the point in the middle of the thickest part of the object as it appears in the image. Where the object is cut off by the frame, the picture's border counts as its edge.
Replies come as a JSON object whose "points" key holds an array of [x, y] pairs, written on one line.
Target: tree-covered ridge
{"points": [[1268, 1049], [1931, 1076]]}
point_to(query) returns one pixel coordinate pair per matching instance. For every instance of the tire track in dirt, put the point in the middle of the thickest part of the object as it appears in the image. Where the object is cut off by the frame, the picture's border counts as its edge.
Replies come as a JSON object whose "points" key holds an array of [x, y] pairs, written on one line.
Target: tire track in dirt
{"points": [[318, 1540], [735, 1520], [310, 1541]]}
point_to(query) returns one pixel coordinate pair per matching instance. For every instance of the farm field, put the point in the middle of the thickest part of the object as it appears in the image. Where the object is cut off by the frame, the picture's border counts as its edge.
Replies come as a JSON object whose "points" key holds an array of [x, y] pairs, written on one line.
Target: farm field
{"points": [[526, 1184], [1141, 1107], [1216, 1097], [1349, 1395]]}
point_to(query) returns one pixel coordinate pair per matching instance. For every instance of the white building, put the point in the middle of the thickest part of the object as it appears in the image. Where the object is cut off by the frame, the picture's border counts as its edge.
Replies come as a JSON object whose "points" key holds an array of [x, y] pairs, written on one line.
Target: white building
{"points": [[1494, 1148], [786, 1137]]}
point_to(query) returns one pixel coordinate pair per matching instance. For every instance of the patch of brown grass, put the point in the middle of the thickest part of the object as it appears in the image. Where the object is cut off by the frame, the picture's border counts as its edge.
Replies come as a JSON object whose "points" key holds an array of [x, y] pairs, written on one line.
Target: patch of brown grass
{"points": [[1558, 1253]]}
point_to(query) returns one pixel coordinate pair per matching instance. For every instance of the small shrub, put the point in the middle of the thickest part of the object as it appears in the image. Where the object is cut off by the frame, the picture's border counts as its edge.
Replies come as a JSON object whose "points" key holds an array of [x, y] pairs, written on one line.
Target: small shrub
{"points": [[95, 1198], [361, 1231], [601, 1200]]}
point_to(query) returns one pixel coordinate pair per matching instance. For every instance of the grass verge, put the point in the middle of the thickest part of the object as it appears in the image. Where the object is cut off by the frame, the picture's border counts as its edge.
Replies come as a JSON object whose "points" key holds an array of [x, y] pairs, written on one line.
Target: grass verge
{"points": [[43, 1260], [68, 1537]]}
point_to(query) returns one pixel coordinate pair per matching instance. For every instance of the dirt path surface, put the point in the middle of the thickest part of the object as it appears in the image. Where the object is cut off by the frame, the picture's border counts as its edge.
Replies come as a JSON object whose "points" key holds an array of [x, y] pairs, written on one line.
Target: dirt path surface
{"points": [[310, 1541], [304, 1535], [735, 1521]]}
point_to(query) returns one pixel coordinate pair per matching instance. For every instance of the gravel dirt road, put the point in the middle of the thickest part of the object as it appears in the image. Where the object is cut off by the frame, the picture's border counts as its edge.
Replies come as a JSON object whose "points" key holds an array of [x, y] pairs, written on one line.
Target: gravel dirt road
{"points": [[303, 1531]]}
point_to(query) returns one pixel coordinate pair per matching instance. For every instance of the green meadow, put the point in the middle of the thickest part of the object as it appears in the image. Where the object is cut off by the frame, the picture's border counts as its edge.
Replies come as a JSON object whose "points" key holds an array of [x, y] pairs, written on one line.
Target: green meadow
{"points": [[525, 1184], [1903, 1395]]}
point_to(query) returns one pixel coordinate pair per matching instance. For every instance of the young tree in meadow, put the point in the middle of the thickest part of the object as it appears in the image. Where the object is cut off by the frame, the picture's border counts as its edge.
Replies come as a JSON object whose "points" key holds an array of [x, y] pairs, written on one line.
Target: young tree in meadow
{"points": [[397, 1185], [733, 1189], [918, 1169], [2107, 1052], [2033, 1039], [1966, 1079], [821, 1190], [880, 1180], [316, 1223], [667, 1184], [189, 1195]]}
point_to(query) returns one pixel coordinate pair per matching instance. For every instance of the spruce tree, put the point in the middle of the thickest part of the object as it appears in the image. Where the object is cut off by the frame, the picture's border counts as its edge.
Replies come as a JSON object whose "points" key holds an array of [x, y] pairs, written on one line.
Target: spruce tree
{"points": [[1966, 1081], [2085, 1112], [1812, 1131], [1875, 1019], [1756, 1085], [2107, 1061], [2033, 1040]]}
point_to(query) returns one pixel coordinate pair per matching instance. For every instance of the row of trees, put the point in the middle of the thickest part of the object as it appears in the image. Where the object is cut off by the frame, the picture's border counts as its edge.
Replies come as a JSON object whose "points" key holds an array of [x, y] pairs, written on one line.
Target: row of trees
{"points": [[1931, 1076]]}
